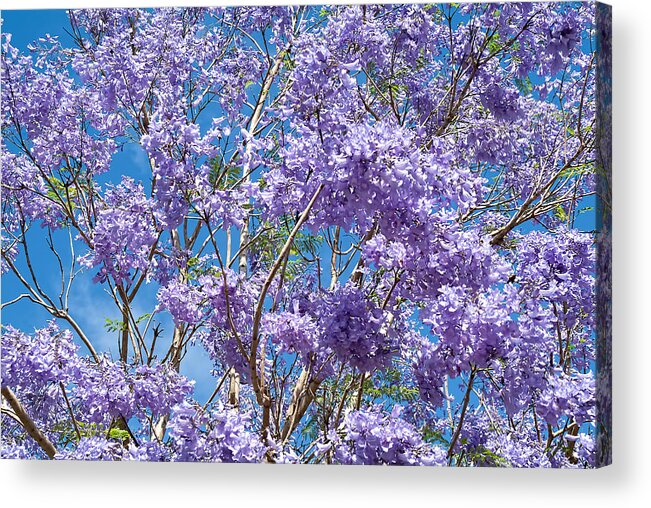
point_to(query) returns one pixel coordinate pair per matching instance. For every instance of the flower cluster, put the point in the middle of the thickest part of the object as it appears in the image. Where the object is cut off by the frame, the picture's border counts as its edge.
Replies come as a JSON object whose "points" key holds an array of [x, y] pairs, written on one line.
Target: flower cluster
{"points": [[221, 436], [373, 437], [46, 364], [570, 396], [359, 332], [125, 233]]}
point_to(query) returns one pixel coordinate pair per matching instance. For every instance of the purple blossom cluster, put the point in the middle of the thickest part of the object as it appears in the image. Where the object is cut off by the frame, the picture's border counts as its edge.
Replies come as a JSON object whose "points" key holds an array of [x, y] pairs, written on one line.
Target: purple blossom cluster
{"points": [[342, 323], [373, 437], [359, 332], [560, 269], [503, 104], [46, 367], [125, 233], [572, 397], [221, 436], [295, 332], [114, 391], [94, 448], [31, 362]]}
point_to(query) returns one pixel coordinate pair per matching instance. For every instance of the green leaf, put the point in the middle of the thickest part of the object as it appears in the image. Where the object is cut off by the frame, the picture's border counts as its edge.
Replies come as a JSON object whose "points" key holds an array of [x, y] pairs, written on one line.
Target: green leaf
{"points": [[494, 44], [559, 212], [119, 434], [114, 325], [525, 86], [140, 319]]}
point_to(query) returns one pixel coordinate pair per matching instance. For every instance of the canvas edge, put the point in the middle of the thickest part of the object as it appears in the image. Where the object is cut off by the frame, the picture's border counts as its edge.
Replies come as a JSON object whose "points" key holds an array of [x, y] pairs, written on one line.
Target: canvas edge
{"points": [[603, 234]]}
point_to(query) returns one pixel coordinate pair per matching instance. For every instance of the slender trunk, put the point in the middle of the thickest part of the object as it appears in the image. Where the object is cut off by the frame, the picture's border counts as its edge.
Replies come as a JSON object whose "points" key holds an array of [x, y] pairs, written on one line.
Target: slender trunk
{"points": [[360, 392], [177, 346], [334, 273], [27, 422], [464, 408], [244, 239], [160, 427], [179, 331], [302, 397], [124, 342], [569, 453], [229, 246], [306, 388], [234, 388]]}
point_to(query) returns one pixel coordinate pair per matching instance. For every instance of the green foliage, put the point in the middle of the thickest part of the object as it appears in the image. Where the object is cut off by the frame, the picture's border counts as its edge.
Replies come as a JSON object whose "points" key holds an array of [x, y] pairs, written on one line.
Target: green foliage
{"points": [[388, 387], [68, 434], [57, 189], [194, 268], [525, 86], [140, 319], [114, 325], [494, 44], [273, 237], [482, 456], [223, 176], [288, 62], [581, 169], [305, 243], [311, 429], [119, 435], [560, 213], [433, 436]]}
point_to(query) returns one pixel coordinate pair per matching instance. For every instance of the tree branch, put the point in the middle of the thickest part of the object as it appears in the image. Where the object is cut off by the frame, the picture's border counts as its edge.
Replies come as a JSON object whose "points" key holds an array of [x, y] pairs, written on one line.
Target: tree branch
{"points": [[27, 423]]}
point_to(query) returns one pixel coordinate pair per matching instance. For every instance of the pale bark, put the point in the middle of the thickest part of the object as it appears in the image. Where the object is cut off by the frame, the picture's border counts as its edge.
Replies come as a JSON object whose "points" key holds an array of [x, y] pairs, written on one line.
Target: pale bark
{"points": [[28, 424], [302, 397], [466, 400], [234, 388], [255, 339]]}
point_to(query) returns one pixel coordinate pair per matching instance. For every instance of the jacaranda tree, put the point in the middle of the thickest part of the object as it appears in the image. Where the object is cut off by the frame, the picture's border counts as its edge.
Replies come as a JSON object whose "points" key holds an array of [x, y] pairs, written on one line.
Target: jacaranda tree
{"points": [[370, 218]]}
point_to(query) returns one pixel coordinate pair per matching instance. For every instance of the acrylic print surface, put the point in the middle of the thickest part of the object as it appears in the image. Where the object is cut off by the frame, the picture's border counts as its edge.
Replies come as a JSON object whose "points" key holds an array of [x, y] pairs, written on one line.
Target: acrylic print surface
{"points": [[368, 234]]}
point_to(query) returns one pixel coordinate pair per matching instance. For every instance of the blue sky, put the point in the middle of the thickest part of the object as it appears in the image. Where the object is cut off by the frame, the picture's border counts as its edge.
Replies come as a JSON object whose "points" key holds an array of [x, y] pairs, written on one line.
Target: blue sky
{"points": [[27, 26]]}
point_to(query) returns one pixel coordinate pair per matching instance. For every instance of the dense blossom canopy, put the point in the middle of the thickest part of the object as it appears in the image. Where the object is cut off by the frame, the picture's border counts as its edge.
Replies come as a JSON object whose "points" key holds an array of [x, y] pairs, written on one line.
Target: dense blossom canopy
{"points": [[370, 219]]}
